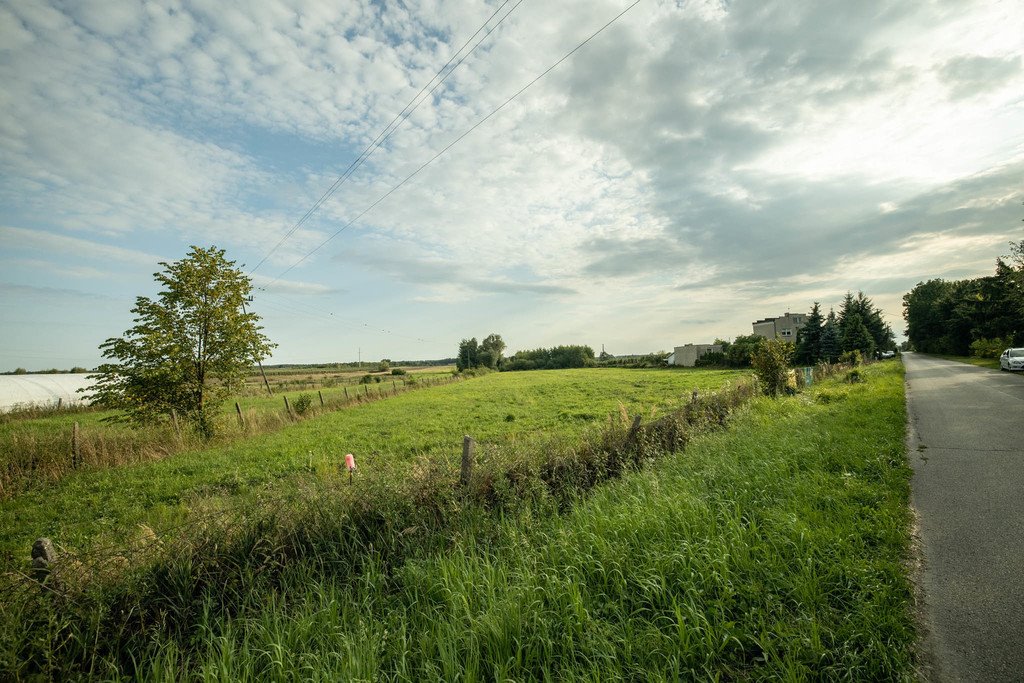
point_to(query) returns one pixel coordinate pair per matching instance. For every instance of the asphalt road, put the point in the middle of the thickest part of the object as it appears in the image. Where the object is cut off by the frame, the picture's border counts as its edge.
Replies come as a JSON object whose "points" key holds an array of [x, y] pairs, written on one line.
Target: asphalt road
{"points": [[966, 439]]}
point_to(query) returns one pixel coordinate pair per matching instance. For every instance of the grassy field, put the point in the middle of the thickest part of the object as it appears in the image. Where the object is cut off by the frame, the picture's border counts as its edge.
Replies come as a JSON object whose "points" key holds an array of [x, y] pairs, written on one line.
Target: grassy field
{"points": [[775, 550], [90, 504], [35, 445]]}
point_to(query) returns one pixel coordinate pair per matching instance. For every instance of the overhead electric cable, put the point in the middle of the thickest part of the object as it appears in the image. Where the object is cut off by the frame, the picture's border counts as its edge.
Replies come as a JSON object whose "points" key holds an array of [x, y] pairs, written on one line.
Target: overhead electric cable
{"points": [[454, 142], [393, 126]]}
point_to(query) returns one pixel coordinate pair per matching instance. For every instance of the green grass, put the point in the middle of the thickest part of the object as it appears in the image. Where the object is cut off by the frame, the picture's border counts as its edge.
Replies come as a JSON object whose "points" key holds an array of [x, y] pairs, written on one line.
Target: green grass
{"points": [[504, 408], [775, 550], [990, 363]]}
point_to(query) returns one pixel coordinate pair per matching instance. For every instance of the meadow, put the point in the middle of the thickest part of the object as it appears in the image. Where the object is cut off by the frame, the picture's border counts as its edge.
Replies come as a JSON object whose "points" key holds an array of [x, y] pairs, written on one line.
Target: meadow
{"points": [[36, 442], [775, 549], [102, 503]]}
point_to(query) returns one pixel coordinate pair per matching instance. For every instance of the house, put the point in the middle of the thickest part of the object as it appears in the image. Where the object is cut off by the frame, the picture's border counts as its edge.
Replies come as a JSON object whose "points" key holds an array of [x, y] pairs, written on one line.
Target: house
{"points": [[783, 327], [688, 354]]}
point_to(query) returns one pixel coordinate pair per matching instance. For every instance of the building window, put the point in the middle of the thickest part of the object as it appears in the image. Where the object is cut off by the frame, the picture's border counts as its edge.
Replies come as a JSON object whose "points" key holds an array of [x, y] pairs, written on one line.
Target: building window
{"points": [[787, 333]]}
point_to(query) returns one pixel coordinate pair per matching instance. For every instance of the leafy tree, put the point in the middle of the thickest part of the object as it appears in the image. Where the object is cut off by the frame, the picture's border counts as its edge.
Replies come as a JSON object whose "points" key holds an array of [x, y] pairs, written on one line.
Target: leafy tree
{"points": [[384, 365], [742, 349], [808, 345], [922, 310], [491, 350], [771, 365], [468, 356], [189, 348]]}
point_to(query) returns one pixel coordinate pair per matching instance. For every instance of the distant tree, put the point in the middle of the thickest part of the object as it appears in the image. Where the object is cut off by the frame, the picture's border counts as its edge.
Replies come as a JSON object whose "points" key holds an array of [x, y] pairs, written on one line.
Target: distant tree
{"points": [[20, 371], [808, 344], [742, 349], [384, 365], [468, 356], [551, 359], [189, 348], [922, 311], [491, 350]]}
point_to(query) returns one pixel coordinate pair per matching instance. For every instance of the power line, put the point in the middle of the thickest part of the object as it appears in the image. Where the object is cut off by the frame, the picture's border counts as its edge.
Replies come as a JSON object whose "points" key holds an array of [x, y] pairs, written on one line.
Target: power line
{"points": [[455, 141], [289, 305], [393, 126]]}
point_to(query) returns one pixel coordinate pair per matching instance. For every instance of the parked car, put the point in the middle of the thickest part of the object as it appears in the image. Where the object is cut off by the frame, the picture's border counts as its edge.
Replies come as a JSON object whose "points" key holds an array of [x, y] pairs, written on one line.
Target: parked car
{"points": [[887, 354], [1012, 360]]}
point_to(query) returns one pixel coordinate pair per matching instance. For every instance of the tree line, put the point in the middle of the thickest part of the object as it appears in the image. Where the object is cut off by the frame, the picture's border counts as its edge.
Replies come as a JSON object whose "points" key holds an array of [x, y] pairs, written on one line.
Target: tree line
{"points": [[979, 316], [488, 354]]}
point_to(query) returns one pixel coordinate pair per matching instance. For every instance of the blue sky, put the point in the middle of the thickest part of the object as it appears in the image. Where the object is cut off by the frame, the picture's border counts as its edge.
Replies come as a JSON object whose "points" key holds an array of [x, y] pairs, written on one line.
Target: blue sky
{"points": [[695, 167]]}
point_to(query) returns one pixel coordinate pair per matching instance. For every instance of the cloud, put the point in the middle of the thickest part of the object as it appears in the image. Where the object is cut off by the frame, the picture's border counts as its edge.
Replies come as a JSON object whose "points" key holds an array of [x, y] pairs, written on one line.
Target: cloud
{"points": [[970, 75], [39, 240]]}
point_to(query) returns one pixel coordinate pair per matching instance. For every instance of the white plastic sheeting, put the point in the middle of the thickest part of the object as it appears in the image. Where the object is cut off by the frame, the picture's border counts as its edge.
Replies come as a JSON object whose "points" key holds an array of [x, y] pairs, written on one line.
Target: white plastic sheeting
{"points": [[41, 390]]}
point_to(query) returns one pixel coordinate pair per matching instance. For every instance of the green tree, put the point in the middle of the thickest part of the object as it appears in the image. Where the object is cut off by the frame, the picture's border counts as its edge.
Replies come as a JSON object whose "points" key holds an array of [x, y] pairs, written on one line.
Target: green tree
{"points": [[741, 350], [771, 365], [808, 345], [491, 350], [830, 346], [189, 348], [857, 337], [468, 356]]}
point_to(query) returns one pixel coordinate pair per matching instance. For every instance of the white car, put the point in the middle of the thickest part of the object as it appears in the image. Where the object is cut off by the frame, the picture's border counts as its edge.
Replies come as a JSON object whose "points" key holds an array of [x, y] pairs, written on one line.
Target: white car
{"points": [[1012, 359]]}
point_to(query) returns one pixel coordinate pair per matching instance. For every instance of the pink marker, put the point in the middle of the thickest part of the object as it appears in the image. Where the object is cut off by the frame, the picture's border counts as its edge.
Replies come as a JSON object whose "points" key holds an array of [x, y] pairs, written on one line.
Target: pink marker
{"points": [[350, 462]]}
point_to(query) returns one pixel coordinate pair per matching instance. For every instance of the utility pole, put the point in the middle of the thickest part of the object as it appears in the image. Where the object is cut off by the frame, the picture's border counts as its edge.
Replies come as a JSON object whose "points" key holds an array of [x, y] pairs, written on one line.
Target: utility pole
{"points": [[258, 362]]}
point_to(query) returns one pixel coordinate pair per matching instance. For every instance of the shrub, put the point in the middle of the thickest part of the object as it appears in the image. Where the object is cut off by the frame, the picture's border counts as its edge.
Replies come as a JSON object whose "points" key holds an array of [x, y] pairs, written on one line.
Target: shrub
{"points": [[853, 358], [771, 365], [366, 379], [384, 365], [397, 371], [302, 403], [714, 359], [989, 348]]}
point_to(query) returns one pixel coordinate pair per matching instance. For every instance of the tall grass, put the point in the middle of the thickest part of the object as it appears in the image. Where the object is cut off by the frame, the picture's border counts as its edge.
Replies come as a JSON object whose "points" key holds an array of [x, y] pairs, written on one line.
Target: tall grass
{"points": [[772, 551]]}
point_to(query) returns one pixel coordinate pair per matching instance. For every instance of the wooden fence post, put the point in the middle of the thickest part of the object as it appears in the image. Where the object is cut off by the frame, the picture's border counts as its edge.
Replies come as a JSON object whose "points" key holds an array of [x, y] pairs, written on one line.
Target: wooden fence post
{"points": [[174, 418], [366, 389], [321, 394], [467, 460], [238, 409], [394, 386], [76, 453], [346, 392], [288, 407], [60, 402]]}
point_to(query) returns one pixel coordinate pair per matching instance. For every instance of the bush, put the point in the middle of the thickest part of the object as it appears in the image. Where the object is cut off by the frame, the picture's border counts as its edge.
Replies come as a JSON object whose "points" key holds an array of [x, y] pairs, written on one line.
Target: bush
{"points": [[366, 379], [384, 365], [771, 365], [989, 348], [714, 359], [397, 371], [853, 358], [302, 403]]}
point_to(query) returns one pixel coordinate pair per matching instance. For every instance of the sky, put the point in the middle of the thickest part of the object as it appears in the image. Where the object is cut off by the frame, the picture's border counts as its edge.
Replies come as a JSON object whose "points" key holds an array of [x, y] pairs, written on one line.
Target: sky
{"points": [[695, 166]]}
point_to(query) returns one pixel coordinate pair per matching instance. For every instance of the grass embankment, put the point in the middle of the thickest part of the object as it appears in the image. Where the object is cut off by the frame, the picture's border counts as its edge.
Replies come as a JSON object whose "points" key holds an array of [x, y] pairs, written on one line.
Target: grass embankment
{"points": [[774, 550], [496, 409]]}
